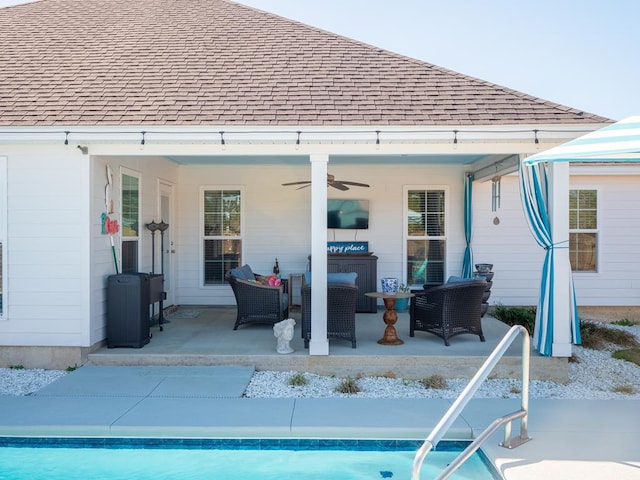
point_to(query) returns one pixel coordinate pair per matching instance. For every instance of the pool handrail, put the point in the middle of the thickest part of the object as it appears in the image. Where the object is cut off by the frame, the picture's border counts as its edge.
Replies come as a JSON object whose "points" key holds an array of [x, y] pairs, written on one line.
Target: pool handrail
{"points": [[467, 394]]}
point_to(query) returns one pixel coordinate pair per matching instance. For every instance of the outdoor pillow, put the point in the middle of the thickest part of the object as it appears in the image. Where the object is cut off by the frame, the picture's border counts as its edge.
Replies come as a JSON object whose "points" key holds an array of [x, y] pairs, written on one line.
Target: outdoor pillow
{"points": [[243, 273], [454, 279]]}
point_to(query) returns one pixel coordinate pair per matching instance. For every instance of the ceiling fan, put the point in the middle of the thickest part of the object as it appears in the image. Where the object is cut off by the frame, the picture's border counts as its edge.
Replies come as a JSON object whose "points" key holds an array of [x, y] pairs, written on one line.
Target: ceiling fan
{"points": [[331, 182]]}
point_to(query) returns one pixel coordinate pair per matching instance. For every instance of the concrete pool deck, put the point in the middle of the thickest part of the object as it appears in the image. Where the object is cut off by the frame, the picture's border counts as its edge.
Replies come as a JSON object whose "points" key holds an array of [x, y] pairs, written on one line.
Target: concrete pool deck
{"points": [[581, 439]]}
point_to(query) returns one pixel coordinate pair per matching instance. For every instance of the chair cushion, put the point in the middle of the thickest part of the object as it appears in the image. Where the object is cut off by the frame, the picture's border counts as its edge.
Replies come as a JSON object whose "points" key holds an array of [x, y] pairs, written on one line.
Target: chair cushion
{"points": [[335, 277], [454, 279], [346, 277], [243, 273]]}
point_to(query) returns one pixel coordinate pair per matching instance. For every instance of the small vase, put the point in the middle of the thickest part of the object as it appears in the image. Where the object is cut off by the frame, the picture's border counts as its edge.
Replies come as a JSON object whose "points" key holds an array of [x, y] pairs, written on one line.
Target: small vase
{"points": [[389, 285]]}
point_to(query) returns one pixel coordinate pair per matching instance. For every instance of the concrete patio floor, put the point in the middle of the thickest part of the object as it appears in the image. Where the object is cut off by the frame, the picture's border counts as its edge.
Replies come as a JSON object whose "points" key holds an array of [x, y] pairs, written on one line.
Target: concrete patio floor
{"points": [[205, 336], [571, 439]]}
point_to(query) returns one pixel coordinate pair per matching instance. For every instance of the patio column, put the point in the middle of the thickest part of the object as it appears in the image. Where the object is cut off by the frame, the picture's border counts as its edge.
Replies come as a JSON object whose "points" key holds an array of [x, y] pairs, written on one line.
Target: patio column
{"points": [[319, 344], [559, 220]]}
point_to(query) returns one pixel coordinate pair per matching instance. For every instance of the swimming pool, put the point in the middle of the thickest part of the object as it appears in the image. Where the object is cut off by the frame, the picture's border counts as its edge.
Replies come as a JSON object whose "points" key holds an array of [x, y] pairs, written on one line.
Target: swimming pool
{"points": [[228, 459]]}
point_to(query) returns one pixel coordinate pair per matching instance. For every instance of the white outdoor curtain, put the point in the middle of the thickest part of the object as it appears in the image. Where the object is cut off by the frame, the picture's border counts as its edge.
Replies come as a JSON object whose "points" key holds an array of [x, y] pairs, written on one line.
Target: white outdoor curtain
{"points": [[467, 263], [535, 201]]}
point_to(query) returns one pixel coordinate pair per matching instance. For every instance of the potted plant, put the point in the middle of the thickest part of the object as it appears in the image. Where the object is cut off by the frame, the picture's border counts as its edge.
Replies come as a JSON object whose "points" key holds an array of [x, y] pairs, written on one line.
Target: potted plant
{"points": [[402, 304]]}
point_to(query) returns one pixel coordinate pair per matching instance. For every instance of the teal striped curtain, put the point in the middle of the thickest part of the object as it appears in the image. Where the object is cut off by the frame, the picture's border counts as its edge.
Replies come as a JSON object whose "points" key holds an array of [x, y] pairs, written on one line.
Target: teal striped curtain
{"points": [[534, 188], [467, 262]]}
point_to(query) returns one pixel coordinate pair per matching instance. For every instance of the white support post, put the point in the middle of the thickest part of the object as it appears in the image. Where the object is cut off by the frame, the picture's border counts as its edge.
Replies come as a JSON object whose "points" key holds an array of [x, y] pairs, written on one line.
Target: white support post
{"points": [[319, 344], [559, 218]]}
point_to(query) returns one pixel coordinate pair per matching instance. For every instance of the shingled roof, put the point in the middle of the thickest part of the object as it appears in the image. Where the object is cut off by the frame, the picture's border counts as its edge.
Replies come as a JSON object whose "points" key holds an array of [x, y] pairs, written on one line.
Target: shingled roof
{"points": [[215, 62]]}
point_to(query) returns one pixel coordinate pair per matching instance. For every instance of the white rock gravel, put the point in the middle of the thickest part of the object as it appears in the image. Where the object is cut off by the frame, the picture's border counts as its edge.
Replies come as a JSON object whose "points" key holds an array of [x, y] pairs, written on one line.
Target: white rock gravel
{"points": [[595, 376]]}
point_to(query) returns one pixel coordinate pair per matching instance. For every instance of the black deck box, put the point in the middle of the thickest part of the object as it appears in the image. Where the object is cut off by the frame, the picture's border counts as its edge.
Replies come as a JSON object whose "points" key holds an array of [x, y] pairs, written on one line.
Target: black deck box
{"points": [[128, 310]]}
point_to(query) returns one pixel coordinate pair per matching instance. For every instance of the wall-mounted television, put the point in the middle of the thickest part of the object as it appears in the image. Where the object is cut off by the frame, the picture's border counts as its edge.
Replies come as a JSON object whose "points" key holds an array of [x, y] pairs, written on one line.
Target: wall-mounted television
{"points": [[347, 213]]}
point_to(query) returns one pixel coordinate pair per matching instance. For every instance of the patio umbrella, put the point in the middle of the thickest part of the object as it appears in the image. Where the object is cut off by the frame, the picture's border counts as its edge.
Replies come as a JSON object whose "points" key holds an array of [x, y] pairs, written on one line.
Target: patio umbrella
{"points": [[618, 142]]}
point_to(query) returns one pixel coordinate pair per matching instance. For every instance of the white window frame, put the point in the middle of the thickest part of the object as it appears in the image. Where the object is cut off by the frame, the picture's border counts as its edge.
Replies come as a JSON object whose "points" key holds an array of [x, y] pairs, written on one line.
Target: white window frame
{"points": [[138, 238], [202, 237], [596, 231], [405, 227]]}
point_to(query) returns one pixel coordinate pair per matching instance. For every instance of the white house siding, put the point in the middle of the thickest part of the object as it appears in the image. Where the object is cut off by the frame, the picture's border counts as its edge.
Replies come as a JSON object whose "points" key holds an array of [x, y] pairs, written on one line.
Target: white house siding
{"points": [[509, 245], [276, 219], [617, 282], [47, 249], [518, 259], [151, 170]]}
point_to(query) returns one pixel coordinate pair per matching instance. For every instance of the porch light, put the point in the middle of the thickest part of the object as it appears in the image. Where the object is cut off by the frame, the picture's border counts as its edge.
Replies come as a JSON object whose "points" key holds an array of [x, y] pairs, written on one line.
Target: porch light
{"points": [[66, 137], [143, 134], [535, 137]]}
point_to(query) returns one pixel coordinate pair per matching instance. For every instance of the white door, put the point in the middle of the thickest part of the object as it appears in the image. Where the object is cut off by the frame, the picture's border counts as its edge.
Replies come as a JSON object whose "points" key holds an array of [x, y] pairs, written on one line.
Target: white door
{"points": [[166, 241]]}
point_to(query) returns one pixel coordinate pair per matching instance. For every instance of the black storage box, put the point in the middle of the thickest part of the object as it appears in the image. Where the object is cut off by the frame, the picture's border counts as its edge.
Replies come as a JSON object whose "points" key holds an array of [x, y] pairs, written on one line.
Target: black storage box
{"points": [[128, 310]]}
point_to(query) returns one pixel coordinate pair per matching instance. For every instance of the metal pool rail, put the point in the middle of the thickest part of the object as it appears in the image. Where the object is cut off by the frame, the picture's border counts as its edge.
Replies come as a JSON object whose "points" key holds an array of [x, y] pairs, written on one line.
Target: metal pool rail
{"points": [[467, 394]]}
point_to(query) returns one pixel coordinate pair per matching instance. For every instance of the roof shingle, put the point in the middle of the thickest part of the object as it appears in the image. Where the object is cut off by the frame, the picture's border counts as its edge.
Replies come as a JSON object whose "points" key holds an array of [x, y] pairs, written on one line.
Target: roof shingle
{"points": [[203, 62]]}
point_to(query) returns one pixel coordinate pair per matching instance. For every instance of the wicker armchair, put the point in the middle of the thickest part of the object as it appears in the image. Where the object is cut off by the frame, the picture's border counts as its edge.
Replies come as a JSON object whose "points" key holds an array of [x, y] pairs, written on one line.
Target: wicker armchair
{"points": [[341, 312], [257, 303], [448, 310]]}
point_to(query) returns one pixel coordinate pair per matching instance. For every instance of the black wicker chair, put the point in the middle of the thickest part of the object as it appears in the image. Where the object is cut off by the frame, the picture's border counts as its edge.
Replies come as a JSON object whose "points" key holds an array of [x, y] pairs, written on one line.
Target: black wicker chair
{"points": [[258, 303], [341, 312], [448, 310]]}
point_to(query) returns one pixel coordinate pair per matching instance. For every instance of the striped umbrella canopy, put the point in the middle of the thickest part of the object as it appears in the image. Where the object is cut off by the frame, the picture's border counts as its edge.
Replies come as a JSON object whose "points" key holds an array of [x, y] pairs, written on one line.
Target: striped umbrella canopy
{"points": [[618, 142]]}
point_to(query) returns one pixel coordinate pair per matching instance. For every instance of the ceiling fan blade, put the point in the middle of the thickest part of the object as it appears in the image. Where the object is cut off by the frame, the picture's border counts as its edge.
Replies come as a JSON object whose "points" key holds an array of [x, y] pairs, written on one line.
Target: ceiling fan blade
{"points": [[296, 183], [339, 186], [304, 186], [354, 184]]}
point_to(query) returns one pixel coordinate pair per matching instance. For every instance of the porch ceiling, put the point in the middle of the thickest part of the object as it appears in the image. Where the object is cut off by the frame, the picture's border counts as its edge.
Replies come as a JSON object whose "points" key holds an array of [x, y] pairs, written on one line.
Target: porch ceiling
{"points": [[426, 159]]}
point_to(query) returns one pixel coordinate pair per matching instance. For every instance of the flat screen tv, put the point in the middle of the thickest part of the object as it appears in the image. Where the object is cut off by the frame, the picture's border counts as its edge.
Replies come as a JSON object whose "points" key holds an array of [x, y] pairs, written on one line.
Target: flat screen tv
{"points": [[346, 213]]}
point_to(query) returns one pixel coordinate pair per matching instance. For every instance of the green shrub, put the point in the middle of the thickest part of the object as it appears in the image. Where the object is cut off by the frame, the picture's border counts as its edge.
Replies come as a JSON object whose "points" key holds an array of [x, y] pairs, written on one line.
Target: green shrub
{"points": [[525, 316]]}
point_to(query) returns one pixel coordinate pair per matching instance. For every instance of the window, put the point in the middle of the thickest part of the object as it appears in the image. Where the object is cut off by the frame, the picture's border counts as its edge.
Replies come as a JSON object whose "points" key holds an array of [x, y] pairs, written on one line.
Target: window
{"points": [[221, 233], [426, 241], [583, 230], [130, 221]]}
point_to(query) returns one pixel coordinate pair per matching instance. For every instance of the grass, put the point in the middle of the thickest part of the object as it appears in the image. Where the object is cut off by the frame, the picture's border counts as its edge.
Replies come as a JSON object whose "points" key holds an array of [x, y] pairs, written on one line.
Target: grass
{"points": [[348, 385], [624, 389], [298, 380], [630, 355], [598, 337], [625, 322], [434, 381]]}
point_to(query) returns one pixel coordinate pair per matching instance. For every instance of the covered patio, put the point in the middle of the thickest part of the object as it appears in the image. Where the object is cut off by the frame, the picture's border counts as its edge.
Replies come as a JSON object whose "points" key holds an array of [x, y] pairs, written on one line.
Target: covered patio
{"points": [[204, 336]]}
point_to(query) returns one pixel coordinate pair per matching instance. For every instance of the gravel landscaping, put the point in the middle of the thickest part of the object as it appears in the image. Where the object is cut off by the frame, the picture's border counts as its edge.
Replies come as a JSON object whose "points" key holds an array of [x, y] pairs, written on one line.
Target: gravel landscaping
{"points": [[596, 375]]}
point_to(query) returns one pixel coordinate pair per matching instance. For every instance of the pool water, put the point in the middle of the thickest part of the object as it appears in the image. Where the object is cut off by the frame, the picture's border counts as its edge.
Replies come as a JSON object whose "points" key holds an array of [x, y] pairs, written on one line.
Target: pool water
{"points": [[226, 460]]}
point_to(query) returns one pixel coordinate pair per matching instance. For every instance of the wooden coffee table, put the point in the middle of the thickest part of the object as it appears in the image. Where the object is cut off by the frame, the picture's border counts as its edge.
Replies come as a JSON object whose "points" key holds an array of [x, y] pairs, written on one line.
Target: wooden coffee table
{"points": [[390, 316]]}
